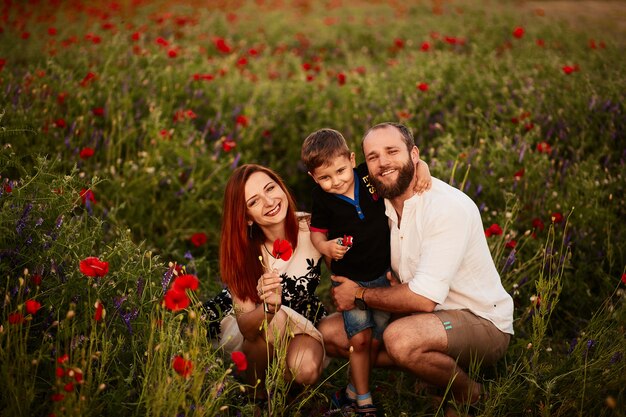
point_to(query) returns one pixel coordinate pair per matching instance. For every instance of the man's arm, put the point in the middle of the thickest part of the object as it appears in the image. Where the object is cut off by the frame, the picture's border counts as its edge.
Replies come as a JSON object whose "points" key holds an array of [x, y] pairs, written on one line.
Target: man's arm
{"points": [[395, 299]]}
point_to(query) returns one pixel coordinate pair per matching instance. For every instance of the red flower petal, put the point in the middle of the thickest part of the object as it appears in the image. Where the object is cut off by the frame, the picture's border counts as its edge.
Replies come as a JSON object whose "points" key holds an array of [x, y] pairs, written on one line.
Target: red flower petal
{"points": [[176, 300], [240, 360], [94, 267], [32, 306], [182, 366], [186, 282], [282, 249], [198, 239], [99, 314], [86, 152], [16, 318]]}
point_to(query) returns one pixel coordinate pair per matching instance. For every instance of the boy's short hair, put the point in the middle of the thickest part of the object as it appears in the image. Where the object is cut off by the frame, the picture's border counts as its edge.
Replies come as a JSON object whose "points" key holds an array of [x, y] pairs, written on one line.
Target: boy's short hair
{"points": [[321, 146]]}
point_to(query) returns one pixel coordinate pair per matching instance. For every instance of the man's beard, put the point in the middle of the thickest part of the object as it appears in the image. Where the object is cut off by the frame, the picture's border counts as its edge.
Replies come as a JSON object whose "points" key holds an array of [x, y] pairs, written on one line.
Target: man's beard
{"points": [[405, 175]]}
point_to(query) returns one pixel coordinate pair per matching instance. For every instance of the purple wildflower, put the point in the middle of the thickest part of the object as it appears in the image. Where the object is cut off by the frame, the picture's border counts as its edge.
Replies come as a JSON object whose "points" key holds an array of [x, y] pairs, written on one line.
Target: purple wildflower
{"points": [[21, 223], [617, 356]]}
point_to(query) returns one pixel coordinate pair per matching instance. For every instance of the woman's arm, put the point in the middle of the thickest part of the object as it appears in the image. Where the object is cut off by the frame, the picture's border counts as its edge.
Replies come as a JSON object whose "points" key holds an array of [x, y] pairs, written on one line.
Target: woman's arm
{"points": [[250, 316]]}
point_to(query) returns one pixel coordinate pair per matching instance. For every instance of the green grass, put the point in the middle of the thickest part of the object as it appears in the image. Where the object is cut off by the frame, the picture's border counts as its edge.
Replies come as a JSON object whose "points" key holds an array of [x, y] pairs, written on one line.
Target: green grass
{"points": [[500, 118]]}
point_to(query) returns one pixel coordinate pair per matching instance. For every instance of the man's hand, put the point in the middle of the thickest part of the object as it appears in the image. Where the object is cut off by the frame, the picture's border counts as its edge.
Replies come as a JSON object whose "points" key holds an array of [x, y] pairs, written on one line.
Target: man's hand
{"points": [[343, 294]]}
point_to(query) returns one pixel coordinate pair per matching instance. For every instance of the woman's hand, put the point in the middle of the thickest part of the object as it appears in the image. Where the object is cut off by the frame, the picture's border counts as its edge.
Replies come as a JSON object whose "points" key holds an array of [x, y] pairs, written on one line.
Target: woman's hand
{"points": [[270, 290]]}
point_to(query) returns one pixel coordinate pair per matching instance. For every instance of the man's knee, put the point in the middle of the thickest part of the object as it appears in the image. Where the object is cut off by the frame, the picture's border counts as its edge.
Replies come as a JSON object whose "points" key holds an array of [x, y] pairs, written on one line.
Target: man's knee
{"points": [[396, 342]]}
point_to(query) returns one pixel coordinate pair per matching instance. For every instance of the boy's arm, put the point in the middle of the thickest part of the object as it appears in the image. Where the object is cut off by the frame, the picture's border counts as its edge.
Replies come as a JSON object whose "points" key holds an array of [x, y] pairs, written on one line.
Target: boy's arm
{"points": [[329, 248], [424, 180]]}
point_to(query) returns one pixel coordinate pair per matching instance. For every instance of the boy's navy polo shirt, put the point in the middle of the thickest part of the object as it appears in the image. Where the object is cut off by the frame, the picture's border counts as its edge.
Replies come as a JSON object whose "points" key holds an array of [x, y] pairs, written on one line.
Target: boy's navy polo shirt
{"points": [[362, 218]]}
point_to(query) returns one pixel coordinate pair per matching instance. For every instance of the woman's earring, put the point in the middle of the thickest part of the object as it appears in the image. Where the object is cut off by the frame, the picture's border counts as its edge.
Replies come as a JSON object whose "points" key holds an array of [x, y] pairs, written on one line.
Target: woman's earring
{"points": [[250, 230]]}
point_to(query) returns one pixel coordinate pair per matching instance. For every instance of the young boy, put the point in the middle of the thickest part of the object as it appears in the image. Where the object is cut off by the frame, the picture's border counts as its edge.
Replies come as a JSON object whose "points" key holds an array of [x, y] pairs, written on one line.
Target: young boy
{"points": [[350, 228]]}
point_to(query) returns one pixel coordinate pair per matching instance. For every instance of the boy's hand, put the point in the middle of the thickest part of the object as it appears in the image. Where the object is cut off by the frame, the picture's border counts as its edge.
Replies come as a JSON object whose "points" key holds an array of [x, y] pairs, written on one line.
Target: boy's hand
{"points": [[334, 250], [393, 280], [423, 179]]}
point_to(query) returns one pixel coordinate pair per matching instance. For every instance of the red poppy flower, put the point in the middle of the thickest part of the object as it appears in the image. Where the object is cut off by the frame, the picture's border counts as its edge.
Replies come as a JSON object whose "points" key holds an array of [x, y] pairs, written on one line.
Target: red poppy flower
{"points": [[78, 376], [99, 314], [511, 244], [228, 144], [241, 120], [88, 78], [186, 282], [182, 366], [60, 372], [567, 69], [60, 123], [136, 36], [240, 360], [540, 42], [242, 62], [519, 174], [63, 358], [98, 111], [86, 152], [69, 387], [172, 53], [341, 78], [162, 41], [87, 195], [25, 35], [422, 86], [538, 224], [16, 318], [624, 278], [398, 43], [518, 32], [52, 31], [57, 397], [94, 267], [425, 47], [198, 239], [222, 46], [493, 230], [7, 188], [3, 62], [346, 240], [32, 306], [282, 249], [176, 300], [557, 217], [544, 147], [36, 279]]}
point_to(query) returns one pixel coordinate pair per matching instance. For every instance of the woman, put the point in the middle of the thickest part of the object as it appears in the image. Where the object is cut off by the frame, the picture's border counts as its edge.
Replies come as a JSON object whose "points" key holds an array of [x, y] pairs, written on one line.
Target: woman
{"points": [[269, 302]]}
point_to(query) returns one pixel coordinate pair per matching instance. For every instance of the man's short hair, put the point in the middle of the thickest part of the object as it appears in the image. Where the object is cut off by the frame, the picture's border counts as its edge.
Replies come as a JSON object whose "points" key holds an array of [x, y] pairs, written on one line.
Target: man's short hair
{"points": [[321, 146], [405, 132]]}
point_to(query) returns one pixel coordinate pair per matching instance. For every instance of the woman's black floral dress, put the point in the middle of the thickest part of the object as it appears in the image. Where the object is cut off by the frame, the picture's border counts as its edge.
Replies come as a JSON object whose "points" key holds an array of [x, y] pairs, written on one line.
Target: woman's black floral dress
{"points": [[301, 276]]}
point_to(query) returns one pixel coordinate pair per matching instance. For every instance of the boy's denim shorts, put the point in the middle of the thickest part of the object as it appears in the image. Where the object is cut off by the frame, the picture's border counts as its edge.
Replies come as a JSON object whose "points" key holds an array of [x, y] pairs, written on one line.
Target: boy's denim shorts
{"points": [[355, 320]]}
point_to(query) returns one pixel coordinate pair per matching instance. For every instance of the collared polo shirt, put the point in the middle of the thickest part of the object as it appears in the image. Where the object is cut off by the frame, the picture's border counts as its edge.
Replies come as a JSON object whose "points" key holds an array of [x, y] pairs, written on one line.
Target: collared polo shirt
{"points": [[362, 218]]}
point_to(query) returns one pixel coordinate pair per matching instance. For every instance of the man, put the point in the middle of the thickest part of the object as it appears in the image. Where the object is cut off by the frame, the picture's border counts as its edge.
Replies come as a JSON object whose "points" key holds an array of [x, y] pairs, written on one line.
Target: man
{"points": [[453, 307]]}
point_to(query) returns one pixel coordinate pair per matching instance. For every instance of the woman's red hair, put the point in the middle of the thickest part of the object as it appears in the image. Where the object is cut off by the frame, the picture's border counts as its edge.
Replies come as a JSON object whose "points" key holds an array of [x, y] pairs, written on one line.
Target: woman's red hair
{"points": [[240, 244]]}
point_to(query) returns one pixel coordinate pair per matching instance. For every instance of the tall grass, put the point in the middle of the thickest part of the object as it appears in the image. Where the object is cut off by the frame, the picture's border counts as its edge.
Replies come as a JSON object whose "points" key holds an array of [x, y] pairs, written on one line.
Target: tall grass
{"points": [[171, 96]]}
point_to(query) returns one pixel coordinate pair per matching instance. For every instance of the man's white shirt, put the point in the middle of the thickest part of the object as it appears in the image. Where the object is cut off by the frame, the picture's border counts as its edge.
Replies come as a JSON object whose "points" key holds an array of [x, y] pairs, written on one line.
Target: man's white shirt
{"points": [[441, 250]]}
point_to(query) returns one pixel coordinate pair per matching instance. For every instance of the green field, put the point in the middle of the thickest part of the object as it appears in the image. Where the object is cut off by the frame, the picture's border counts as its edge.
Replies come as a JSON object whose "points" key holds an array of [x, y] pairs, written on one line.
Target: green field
{"points": [[121, 122]]}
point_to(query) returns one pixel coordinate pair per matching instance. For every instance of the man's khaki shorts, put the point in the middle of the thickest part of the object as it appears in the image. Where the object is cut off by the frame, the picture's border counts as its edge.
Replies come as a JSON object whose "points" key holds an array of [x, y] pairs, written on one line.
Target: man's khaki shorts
{"points": [[472, 338]]}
